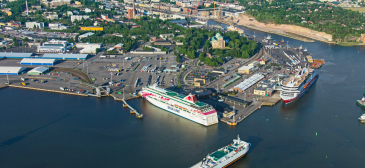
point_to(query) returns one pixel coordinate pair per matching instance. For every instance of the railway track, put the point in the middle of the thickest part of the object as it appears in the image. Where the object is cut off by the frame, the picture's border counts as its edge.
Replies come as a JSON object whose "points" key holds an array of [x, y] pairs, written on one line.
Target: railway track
{"points": [[82, 75]]}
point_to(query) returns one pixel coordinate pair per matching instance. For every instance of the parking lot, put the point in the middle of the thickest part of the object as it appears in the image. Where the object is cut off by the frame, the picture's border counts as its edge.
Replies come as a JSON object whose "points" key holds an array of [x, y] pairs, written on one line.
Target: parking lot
{"points": [[37, 35]]}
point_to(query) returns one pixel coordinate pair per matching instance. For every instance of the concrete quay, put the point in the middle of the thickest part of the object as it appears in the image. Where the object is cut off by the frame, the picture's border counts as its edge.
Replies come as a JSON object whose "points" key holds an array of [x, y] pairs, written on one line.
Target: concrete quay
{"points": [[272, 100], [243, 113], [47, 90], [3, 86]]}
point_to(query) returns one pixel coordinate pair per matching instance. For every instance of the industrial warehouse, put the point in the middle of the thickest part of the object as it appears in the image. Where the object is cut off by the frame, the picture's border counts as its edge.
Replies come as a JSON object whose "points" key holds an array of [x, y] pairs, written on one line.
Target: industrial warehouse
{"points": [[38, 71], [15, 55], [11, 70], [34, 61], [55, 46], [247, 83], [66, 56]]}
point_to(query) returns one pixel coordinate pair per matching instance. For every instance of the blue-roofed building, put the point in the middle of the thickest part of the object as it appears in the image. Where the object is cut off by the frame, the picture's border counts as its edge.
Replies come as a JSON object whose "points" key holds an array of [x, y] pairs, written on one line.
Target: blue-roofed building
{"points": [[11, 70], [35, 61], [66, 56], [15, 55]]}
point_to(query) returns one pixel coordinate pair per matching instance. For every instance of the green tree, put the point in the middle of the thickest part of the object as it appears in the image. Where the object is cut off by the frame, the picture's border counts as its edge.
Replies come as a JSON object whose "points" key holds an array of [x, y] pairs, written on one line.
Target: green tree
{"points": [[70, 40], [178, 59], [207, 44], [202, 57], [44, 39], [26, 39], [15, 41]]}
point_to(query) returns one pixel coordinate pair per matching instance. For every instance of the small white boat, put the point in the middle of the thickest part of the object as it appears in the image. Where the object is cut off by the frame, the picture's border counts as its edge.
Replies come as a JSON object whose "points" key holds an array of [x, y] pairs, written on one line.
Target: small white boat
{"points": [[221, 100], [268, 37], [362, 118]]}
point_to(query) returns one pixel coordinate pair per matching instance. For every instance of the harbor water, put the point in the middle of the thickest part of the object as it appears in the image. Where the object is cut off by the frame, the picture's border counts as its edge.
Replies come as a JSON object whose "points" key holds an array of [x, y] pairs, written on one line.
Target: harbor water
{"points": [[41, 129]]}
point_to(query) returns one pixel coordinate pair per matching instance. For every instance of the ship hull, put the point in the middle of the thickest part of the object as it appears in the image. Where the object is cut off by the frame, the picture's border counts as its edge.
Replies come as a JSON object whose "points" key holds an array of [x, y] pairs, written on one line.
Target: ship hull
{"points": [[228, 162], [287, 101], [201, 22], [189, 116], [235, 29], [358, 102]]}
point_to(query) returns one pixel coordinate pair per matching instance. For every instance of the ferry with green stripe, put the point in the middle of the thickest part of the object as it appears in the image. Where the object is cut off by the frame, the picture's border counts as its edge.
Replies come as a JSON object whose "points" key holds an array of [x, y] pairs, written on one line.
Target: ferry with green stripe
{"points": [[225, 156]]}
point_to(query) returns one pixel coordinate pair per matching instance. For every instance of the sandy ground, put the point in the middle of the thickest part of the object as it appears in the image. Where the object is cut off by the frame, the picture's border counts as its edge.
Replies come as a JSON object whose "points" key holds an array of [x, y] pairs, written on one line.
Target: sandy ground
{"points": [[283, 29]]}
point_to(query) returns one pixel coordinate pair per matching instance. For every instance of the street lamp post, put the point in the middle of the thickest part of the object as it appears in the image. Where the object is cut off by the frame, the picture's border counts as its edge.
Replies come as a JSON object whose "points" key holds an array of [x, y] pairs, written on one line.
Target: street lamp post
{"points": [[7, 77], [234, 119]]}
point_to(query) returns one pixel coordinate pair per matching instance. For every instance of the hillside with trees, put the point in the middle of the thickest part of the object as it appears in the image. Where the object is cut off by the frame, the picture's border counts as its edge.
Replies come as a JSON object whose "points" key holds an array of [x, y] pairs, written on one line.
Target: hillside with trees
{"points": [[237, 47], [342, 24]]}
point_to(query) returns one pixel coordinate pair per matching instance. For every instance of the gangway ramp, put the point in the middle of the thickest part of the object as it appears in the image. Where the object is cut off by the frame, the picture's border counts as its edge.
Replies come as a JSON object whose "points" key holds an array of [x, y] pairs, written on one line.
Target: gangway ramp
{"points": [[133, 111]]}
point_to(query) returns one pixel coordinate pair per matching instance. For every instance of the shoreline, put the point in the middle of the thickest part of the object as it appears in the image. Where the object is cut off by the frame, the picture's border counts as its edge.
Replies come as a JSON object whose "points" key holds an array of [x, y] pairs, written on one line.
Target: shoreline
{"points": [[65, 92], [46, 90], [272, 32], [290, 34]]}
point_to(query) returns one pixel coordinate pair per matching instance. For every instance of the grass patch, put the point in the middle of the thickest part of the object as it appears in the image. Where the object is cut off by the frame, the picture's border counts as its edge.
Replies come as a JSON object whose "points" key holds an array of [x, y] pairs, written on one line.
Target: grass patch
{"points": [[361, 9], [135, 67], [178, 82]]}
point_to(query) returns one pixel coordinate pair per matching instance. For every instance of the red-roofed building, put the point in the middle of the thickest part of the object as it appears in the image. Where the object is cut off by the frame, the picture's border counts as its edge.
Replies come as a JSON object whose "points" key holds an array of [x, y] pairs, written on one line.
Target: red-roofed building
{"points": [[134, 26], [14, 24], [154, 40]]}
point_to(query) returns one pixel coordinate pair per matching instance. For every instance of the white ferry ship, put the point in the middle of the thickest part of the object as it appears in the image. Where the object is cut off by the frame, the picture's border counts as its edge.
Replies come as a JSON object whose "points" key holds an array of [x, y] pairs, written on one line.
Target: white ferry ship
{"points": [[202, 21], [296, 86], [234, 28], [225, 156], [182, 105]]}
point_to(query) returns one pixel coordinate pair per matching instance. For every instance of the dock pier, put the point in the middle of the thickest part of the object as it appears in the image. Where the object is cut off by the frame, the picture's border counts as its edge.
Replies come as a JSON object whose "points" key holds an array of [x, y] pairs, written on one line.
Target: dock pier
{"points": [[241, 114], [133, 111], [125, 104], [272, 100]]}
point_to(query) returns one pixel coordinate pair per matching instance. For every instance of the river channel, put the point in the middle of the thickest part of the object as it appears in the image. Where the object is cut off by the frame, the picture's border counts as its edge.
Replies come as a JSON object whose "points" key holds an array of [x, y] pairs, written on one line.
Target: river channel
{"points": [[41, 129]]}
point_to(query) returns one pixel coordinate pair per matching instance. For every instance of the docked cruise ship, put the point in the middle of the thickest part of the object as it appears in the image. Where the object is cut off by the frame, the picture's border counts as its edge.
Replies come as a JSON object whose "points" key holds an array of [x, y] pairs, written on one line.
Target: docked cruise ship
{"points": [[234, 28], [296, 86], [225, 156], [182, 105]]}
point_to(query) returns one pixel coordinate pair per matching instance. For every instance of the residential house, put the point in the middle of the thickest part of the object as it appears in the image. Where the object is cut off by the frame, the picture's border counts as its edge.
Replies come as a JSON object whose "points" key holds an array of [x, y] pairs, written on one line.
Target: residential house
{"points": [[57, 26], [87, 10], [14, 24], [165, 36], [78, 17]]}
